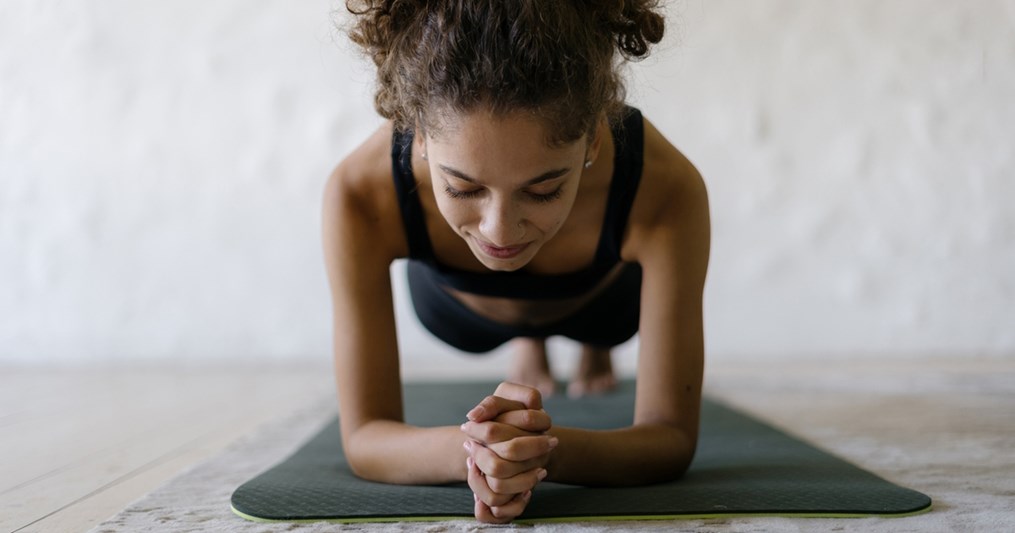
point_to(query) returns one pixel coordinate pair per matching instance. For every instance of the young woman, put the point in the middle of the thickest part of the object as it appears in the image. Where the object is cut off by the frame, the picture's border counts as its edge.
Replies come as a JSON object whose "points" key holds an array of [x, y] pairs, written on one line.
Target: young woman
{"points": [[530, 202]]}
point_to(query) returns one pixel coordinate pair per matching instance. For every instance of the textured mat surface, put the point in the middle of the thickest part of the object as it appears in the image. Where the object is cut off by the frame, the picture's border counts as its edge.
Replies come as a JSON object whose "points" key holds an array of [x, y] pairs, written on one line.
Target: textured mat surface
{"points": [[742, 467]]}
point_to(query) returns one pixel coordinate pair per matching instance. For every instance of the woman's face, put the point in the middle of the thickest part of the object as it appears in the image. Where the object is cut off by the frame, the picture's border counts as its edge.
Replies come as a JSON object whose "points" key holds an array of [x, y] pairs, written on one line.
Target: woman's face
{"points": [[500, 187]]}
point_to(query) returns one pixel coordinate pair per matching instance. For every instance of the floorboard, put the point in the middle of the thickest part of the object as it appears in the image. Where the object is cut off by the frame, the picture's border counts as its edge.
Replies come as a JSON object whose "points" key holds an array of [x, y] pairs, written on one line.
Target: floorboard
{"points": [[89, 441]]}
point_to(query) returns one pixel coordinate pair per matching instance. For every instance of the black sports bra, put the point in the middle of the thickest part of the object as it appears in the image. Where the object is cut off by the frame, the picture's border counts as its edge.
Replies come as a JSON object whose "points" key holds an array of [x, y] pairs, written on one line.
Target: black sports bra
{"points": [[627, 166]]}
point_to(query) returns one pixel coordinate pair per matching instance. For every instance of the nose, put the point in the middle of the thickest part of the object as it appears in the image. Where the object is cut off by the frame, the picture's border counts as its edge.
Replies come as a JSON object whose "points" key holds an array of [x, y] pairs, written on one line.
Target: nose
{"points": [[502, 224]]}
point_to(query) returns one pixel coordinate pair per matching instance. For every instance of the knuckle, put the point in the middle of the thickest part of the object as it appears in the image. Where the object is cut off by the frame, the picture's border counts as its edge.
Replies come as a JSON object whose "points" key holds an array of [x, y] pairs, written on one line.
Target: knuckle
{"points": [[503, 512], [508, 450], [497, 470], [487, 432], [532, 398], [496, 485]]}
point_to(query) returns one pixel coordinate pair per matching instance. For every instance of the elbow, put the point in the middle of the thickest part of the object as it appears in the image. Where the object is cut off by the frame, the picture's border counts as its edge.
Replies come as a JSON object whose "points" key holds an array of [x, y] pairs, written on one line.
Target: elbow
{"points": [[671, 468], [357, 463], [685, 456], [674, 459], [679, 466], [360, 461]]}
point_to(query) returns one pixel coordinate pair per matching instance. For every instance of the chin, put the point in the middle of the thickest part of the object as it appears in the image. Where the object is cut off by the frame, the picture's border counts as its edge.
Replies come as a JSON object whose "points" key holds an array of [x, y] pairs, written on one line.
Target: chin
{"points": [[499, 265]]}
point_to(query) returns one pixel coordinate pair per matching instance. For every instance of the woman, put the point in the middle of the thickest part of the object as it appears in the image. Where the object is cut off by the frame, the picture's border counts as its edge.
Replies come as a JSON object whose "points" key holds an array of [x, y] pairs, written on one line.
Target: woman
{"points": [[531, 202]]}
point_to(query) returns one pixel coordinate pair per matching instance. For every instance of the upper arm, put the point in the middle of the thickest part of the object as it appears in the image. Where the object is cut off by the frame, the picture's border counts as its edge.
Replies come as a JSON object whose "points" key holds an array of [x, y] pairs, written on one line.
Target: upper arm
{"points": [[359, 246], [670, 238]]}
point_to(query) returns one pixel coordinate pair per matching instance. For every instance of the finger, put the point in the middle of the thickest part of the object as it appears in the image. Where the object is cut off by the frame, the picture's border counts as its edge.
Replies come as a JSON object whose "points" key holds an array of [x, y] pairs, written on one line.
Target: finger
{"points": [[491, 432], [529, 396], [532, 420], [477, 482], [492, 465], [517, 484], [493, 406], [512, 509], [484, 513], [524, 448]]}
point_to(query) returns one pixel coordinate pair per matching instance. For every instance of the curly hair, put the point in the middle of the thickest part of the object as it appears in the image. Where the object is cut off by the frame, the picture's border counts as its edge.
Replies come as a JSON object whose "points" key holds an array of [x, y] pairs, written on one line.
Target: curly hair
{"points": [[558, 59]]}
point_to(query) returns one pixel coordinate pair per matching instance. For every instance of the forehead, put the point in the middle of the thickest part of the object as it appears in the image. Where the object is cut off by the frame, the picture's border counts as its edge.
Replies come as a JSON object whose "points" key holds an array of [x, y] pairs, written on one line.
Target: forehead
{"points": [[519, 136]]}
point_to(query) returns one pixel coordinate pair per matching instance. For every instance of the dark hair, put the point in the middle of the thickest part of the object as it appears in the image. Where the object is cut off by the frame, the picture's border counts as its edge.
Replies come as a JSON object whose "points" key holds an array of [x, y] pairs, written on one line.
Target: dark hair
{"points": [[558, 59]]}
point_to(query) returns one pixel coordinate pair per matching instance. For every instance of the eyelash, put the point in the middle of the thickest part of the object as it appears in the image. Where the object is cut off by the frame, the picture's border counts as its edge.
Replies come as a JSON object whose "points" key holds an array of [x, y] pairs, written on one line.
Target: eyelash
{"points": [[548, 197], [466, 195]]}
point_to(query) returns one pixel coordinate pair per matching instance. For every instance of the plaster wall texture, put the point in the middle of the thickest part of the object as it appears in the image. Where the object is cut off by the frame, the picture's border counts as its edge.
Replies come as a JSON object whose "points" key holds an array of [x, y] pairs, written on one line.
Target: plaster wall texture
{"points": [[161, 166]]}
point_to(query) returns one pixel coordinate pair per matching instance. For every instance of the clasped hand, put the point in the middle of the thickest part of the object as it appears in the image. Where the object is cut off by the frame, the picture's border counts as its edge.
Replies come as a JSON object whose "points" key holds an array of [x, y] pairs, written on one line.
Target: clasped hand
{"points": [[508, 450]]}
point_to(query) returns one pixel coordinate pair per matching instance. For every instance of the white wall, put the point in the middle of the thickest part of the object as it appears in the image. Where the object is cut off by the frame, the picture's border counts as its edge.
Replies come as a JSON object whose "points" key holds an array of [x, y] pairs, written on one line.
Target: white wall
{"points": [[161, 167]]}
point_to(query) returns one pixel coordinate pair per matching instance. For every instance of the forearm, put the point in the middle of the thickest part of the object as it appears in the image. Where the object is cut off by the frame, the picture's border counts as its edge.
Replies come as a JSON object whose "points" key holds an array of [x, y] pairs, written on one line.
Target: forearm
{"points": [[636, 455], [393, 452]]}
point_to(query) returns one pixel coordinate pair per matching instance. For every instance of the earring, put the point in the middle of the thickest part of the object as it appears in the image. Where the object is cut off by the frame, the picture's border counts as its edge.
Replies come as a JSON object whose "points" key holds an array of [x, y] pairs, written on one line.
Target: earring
{"points": [[588, 163], [424, 157]]}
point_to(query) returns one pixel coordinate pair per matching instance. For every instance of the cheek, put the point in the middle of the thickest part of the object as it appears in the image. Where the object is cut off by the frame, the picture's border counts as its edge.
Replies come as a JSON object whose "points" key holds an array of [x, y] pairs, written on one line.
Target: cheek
{"points": [[456, 214], [551, 220]]}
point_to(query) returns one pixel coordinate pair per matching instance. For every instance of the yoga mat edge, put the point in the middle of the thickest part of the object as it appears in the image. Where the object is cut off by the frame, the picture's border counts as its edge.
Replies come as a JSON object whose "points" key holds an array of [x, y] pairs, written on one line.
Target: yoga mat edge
{"points": [[567, 519]]}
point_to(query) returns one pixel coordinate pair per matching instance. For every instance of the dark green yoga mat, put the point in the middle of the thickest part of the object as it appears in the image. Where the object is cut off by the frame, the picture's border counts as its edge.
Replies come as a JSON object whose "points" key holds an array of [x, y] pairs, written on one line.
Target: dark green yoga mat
{"points": [[742, 467]]}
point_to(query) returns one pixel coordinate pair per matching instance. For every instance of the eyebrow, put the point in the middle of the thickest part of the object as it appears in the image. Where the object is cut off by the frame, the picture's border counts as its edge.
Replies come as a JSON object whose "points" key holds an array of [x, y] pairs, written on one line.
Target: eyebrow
{"points": [[545, 176]]}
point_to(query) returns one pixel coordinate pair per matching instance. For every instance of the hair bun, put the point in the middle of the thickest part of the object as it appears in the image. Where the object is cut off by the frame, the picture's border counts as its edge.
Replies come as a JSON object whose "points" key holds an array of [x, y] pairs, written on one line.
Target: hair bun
{"points": [[636, 26]]}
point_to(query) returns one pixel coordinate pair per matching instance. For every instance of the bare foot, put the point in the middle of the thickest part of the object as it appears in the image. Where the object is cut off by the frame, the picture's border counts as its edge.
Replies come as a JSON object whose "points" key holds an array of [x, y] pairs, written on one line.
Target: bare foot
{"points": [[530, 366], [595, 373]]}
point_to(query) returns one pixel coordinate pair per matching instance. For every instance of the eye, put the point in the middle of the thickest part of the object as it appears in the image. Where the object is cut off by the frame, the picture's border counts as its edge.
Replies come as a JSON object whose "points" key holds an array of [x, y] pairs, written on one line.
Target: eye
{"points": [[547, 197], [461, 195]]}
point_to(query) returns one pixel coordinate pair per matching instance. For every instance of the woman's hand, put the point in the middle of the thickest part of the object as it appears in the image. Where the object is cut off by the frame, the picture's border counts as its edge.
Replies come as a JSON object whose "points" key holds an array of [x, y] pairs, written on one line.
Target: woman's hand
{"points": [[508, 450]]}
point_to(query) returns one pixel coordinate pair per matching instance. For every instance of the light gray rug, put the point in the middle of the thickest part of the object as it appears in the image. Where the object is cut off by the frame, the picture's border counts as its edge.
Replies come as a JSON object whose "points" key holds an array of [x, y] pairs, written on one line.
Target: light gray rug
{"points": [[965, 499]]}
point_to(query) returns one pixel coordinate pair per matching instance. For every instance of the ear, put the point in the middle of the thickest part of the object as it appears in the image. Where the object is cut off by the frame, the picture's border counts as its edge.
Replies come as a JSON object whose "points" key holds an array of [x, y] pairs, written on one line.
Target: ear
{"points": [[419, 140], [592, 153], [420, 145]]}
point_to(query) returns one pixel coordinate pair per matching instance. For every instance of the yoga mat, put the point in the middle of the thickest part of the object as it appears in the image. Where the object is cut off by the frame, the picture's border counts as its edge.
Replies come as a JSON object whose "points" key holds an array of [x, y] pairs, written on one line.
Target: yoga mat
{"points": [[742, 467]]}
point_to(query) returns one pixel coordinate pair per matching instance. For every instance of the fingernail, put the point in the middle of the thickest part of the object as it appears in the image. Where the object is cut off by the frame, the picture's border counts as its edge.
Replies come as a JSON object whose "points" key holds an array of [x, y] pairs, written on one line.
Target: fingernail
{"points": [[467, 445], [476, 413], [554, 441], [462, 427], [527, 495], [475, 497], [468, 463], [541, 475]]}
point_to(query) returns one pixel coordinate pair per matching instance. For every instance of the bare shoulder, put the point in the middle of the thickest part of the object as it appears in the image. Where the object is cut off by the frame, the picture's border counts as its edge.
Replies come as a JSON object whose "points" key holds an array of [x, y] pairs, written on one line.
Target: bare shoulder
{"points": [[671, 205], [359, 197]]}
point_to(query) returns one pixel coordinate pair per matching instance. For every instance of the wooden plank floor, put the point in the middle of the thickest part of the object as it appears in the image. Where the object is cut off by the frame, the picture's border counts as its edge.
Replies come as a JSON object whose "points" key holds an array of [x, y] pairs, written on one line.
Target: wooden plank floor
{"points": [[78, 445]]}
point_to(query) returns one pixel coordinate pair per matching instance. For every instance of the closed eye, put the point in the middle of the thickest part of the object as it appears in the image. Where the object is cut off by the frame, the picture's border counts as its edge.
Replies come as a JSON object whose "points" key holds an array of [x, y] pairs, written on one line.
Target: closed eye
{"points": [[461, 195], [547, 197], [468, 195]]}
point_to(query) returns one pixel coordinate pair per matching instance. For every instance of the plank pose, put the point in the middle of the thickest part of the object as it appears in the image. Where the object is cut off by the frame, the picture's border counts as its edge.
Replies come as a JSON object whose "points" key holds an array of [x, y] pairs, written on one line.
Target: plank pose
{"points": [[530, 202]]}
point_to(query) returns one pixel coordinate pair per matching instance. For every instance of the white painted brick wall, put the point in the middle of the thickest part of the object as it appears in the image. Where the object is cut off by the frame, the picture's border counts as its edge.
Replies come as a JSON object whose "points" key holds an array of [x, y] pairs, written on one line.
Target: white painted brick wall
{"points": [[161, 167]]}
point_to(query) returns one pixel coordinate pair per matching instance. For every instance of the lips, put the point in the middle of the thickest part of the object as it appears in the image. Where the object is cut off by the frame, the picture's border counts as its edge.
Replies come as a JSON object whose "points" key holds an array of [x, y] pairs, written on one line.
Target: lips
{"points": [[498, 252]]}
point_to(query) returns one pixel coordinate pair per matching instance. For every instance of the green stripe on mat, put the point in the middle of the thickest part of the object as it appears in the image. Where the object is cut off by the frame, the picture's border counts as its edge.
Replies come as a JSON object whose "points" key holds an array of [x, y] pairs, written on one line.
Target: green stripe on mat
{"points": [[743, 467]]}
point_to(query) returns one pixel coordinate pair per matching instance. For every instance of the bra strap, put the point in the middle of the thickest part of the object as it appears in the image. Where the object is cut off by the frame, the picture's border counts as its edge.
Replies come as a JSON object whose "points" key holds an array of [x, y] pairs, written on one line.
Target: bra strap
{"points": [[407, 191], [629, 142]]}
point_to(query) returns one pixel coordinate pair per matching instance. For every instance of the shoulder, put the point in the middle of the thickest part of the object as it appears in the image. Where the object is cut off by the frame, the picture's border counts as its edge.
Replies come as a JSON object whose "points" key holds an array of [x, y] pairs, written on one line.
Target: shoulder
{"points": [[359, 198], [670, 212]]}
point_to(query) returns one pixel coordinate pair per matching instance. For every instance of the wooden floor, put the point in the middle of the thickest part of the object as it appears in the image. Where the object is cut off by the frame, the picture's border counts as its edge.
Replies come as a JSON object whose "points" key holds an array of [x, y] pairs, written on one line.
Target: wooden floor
{"points": [[78, 445]]}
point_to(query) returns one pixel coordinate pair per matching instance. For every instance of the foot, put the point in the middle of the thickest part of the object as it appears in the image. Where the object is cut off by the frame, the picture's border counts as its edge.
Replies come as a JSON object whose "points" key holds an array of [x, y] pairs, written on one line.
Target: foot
{"points": [[530, 366], [595, 373]]}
